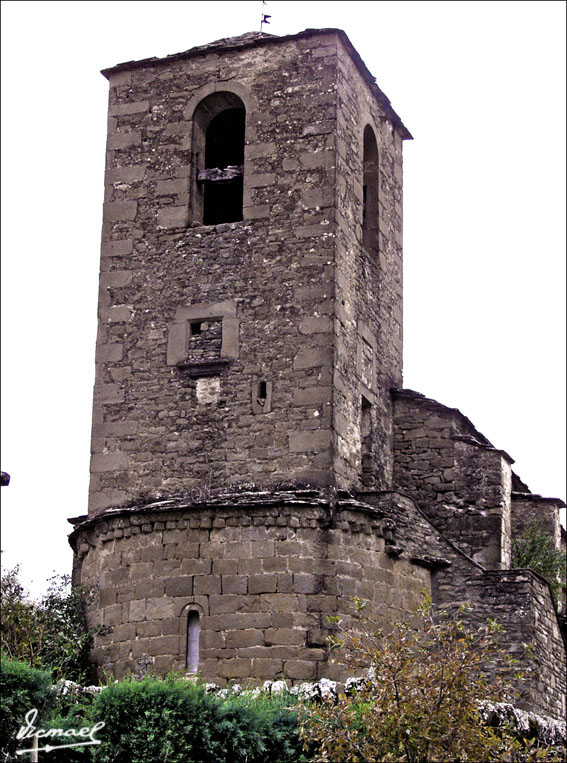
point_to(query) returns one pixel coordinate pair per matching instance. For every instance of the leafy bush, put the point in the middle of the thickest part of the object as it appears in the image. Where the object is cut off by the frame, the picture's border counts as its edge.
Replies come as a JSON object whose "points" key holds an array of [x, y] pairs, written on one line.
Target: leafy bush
{"points": [[176, 720], [22, 688], [51, 633], [419, 701], [534, 550]]}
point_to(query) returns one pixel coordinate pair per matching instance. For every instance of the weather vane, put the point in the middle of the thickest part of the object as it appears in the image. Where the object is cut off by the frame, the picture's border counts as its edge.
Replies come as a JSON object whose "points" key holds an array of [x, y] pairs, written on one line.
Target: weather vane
{"points": [[264, 16]]}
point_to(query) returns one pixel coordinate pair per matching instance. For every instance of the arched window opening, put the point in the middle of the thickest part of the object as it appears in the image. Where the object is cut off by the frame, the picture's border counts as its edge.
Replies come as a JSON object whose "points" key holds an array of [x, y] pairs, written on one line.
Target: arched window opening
{"points": [[193, 628], [370, 210], [218, 156]]}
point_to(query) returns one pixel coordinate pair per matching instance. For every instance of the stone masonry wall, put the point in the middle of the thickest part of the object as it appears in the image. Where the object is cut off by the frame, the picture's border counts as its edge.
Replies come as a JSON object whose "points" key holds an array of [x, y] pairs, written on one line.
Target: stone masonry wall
{"points": [[461, 482], [263, 572], [530, 509], [368, 284], [153, 425], [521, 602], [149, 427]]}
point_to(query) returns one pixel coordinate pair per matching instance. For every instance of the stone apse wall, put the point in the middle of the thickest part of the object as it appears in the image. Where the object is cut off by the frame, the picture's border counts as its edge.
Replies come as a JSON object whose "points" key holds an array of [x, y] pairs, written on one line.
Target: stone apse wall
{"points": [[263, 571]]}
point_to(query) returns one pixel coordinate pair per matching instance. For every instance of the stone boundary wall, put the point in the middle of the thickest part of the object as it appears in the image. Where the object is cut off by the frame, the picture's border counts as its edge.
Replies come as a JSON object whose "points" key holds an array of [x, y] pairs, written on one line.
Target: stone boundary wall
{"points": [[521, 602], [528, 508], [262, 577], [461, 482]]}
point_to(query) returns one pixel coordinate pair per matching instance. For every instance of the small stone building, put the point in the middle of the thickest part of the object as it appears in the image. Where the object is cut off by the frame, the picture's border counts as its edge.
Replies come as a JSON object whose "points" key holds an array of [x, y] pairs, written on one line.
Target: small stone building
{"points": [[255, 458]]}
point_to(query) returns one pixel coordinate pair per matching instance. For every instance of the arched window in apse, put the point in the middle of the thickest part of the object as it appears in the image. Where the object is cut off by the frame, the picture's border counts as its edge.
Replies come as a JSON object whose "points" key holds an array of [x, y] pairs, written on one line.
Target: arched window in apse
{"points": [[193, 628]]}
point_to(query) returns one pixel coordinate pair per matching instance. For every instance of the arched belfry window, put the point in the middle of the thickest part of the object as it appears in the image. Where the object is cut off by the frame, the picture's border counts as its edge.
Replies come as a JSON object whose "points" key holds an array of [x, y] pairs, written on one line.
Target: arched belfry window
{"points": [[218, 159], [193, 629], [370, 178]]}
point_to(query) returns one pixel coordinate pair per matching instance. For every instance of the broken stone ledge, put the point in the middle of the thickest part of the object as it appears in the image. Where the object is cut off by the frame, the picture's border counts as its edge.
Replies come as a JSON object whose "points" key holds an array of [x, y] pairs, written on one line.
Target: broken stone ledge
{"points": [[495, 714]]}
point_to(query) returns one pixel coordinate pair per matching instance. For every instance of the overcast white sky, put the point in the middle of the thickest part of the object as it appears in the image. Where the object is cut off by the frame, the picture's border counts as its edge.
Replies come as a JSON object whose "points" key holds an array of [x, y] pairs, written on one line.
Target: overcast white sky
{"points": [[480, 85]]}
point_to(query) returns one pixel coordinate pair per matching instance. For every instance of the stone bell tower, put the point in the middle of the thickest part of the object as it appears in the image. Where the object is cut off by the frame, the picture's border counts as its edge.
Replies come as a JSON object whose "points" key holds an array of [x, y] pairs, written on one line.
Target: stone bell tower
{"points": [[250, 332], [250, 323]]}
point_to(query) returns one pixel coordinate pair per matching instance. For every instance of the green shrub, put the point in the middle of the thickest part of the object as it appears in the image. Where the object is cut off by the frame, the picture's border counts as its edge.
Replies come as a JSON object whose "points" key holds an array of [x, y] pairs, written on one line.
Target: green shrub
{"points": [[420, 700], [534, 550], [51, 633], [176, 720], [22, 689]]}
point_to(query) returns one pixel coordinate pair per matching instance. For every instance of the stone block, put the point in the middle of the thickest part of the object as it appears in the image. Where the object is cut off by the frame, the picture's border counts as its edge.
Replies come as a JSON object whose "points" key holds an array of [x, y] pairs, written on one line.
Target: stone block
{"points": [[282, 602], [312, 396], [256, 212], [179, 586], [132, 107], [307, 583], [185, 550], [125, 632], [259, 150], [260, 180], [114, 279], [108, 393], [244, 638], [140, 647], [316, 325], [113, 615], [274, 564], [313, 358], [261, 548], [227, 604], [262, 583], [173, 217], [159, 609], [166, 567], [235, 668], [131, 174], [120, 140], [141, 571], [266, 668], [300, 670], [234, 584], [151, 553], [169, 645], [207, 584], [119, 211], [111, 462], [178, 185], [106, 597], [119, 314], [119, 248], [284, 637], [196, 566], [305, 442], [225, 566], [163, 664], [307, 231], [149, 589]]}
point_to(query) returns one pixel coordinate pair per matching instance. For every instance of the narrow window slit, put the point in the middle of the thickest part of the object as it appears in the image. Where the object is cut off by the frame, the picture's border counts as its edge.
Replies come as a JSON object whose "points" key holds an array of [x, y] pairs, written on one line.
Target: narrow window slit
{"points": [[193, 628], [366, 456], [370, 178]]}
